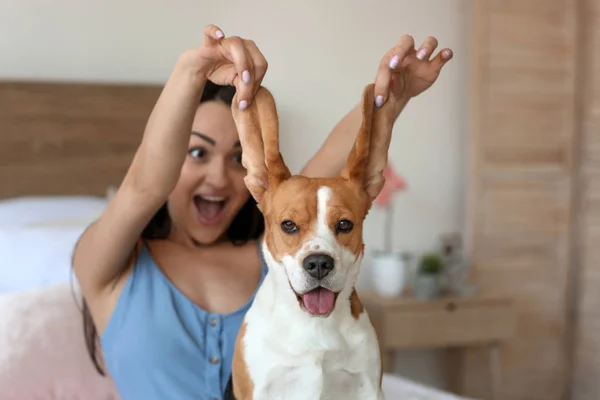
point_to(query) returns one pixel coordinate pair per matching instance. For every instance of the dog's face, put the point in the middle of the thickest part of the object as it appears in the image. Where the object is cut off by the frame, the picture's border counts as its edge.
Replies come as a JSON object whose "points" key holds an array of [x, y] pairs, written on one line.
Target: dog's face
{"points": [[314, 231], [314, 226]]}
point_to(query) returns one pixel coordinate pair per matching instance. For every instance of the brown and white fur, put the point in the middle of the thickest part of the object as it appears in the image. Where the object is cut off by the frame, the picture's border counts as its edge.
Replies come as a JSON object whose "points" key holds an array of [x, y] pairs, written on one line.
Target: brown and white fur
{"points": [[296, 343]]}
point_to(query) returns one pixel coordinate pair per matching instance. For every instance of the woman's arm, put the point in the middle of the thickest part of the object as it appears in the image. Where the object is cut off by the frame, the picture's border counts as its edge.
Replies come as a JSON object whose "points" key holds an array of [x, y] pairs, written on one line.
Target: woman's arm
{"points": [[104, 250], [403, 70]]}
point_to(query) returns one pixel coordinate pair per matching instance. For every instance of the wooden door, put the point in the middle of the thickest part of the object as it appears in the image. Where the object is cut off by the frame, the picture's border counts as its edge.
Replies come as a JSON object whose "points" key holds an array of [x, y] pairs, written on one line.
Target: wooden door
{"points": [[586, 357], [523, 137]]}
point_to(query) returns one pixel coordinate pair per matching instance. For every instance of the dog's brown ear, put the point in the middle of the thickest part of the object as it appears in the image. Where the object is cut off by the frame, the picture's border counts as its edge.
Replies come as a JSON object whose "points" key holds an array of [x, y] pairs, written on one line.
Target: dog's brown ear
{"points": [[258, 127], [369, 155]]}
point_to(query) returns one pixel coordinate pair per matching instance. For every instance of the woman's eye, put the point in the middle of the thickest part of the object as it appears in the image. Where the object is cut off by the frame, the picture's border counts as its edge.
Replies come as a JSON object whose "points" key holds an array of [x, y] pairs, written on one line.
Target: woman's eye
{"points": [[197, 152], [237, 159]]}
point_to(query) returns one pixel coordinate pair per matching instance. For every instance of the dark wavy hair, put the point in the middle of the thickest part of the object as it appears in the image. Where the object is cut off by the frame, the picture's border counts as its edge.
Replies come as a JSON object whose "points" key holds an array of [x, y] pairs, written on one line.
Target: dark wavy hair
{"points": [[247, 225]]}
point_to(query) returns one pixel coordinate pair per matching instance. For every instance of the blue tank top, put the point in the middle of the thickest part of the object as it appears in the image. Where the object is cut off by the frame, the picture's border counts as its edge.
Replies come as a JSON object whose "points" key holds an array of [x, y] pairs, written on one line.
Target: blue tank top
{"points": [[159, 345]]}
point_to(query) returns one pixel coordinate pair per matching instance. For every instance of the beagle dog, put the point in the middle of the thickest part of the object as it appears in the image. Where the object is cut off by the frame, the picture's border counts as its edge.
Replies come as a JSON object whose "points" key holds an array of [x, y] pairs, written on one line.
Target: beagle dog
{"points": [[306, 335]]}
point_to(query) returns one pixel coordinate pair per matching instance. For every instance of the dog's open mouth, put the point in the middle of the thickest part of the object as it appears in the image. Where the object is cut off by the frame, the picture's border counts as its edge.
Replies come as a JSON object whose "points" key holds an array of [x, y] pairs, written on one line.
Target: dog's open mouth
{"points": [[319, 301]]}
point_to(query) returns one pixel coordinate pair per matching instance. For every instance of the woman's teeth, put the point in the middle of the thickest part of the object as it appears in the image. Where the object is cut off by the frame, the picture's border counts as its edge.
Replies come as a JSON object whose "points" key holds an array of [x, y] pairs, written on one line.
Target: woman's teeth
{"points": [[213, 198]]}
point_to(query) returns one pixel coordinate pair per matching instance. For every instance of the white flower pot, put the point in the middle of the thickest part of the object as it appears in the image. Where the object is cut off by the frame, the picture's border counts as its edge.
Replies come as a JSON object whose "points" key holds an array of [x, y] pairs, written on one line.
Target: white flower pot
{"points": [[426, 287], [388, 274]]}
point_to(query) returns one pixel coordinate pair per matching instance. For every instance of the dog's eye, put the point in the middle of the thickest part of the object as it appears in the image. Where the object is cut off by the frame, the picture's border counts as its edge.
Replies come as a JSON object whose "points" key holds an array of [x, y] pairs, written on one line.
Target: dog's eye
{"points": [[289, 227], [345, 226]]}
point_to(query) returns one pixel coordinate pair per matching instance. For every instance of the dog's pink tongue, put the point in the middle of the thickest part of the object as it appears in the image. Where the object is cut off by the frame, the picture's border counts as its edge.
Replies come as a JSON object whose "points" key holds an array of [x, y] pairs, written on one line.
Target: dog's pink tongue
{"points": [[319, 301]]}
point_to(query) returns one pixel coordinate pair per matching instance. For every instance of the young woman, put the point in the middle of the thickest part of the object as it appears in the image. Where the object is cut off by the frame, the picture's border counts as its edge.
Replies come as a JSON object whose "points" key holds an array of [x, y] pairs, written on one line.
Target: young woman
{"points": [[172, 265]]}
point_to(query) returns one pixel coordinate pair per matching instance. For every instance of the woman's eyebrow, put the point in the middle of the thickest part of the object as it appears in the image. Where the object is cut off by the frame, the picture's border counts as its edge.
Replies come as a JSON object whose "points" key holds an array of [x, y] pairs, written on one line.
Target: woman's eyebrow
{"points": [[212, 141], [204, 137]]}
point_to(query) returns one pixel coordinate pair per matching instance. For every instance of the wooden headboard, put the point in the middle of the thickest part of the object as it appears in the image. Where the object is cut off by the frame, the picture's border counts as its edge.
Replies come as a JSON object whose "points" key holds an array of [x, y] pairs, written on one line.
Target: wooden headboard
{"points": [[69, 138]]}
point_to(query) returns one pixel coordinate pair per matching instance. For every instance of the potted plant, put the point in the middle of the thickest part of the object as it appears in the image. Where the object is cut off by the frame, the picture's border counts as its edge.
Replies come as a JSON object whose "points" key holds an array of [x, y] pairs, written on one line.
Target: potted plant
{"points": [[427, 280], [388, 269]]}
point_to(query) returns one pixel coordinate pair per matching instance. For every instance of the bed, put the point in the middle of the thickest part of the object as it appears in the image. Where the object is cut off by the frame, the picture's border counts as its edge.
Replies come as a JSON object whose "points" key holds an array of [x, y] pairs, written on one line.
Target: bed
{"points": [[64, 147]]}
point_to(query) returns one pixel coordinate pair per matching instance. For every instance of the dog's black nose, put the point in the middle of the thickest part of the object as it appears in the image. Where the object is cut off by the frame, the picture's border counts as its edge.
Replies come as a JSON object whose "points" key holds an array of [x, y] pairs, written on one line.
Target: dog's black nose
{"points": [[318, 265]]}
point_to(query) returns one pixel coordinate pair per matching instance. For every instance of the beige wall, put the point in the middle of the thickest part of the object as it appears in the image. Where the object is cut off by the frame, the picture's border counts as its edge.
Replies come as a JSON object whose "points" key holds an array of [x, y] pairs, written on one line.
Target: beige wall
{"points": [[321, 54]]}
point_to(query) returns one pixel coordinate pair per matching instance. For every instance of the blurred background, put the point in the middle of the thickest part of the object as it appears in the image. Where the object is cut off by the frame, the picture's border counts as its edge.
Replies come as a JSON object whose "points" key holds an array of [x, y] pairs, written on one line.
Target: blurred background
{"points": [[500, 157]]}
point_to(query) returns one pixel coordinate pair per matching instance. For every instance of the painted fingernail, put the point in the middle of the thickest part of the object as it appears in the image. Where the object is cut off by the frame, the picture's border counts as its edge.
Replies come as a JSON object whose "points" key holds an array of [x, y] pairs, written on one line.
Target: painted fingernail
{"points": [[421, 54], [394, 62], [243, 105], [447, 53], [246, 76], [220, 34], [379, 101]]}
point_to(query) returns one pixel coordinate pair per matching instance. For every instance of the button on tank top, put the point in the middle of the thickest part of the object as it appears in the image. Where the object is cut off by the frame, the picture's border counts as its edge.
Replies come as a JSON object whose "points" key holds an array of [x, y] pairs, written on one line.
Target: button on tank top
{"points": [[159, 345]]}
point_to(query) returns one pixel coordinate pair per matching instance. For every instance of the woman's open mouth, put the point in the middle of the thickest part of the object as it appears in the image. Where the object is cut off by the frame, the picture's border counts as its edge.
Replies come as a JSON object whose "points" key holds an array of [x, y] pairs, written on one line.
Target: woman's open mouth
{"points": [[210, 208]]}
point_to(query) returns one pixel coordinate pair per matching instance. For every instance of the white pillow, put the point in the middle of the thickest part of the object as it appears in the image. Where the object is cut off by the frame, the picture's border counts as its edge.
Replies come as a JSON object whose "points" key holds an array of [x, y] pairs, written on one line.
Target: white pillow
{"points": [[31, 210], [68, 222], [34, 257]]}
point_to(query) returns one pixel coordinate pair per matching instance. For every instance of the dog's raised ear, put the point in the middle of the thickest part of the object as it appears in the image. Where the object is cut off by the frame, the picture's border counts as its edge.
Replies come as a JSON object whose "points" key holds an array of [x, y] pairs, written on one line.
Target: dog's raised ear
{"points": [[258, 127], [369, 155]]}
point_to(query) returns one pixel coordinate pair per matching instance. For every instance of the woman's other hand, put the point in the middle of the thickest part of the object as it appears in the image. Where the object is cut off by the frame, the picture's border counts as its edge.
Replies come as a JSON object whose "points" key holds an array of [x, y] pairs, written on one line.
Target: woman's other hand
{"points": [[408, 72], [228, 61]]}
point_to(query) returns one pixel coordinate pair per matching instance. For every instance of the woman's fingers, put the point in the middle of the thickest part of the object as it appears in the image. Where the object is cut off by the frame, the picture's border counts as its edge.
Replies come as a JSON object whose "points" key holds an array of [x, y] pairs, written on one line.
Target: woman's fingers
{"points": [[234, 48], [427, 48], [249, 79], [253, 65], [212, 34], [405, 46], [383, 79], [259, 61], [441, 59], [390, 62], [238, 61]]}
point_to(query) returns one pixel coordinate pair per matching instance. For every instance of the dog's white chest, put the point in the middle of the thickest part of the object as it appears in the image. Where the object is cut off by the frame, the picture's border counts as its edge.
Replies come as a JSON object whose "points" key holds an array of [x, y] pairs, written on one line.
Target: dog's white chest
{"points": [[311, 358], [307, 381]]}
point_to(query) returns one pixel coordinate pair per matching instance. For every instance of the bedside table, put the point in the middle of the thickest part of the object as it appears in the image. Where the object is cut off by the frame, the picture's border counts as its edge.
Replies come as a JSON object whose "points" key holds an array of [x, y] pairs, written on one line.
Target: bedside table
{"points": [[442, 323]]}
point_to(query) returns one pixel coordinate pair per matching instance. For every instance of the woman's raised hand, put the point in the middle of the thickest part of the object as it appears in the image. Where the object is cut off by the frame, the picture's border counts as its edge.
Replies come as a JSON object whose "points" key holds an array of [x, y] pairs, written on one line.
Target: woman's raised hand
{"points": [[229, 60], [406, 71]]}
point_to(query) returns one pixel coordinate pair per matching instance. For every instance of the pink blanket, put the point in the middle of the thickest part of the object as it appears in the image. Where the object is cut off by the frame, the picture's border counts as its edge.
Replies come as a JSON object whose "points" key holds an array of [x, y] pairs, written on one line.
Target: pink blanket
{"points": [[42, 351]]}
